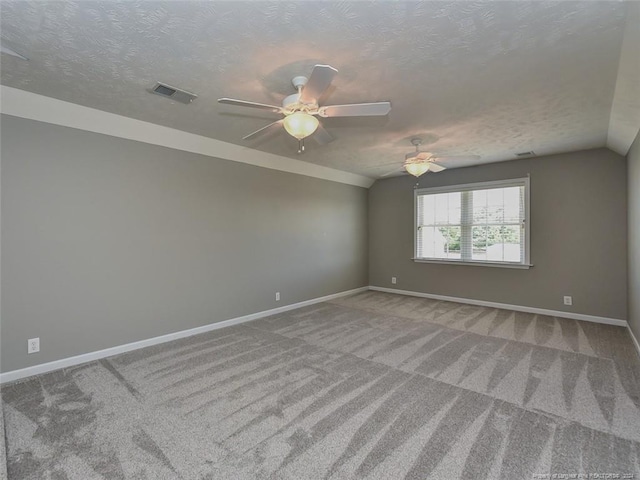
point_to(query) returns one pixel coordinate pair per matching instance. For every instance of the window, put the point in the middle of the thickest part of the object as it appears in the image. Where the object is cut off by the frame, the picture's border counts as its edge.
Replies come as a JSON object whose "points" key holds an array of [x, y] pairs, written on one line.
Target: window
{"points": [[480, 224]]}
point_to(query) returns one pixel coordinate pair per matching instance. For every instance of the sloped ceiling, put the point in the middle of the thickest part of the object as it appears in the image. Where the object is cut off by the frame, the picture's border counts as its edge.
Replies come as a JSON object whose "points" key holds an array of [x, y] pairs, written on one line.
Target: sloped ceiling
{"points": [[490, 79], [625, 110]]}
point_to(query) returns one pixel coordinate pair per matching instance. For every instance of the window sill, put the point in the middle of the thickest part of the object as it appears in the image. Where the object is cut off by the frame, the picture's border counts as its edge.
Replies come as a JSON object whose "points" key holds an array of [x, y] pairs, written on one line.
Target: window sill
{"points": [[522, 266]]}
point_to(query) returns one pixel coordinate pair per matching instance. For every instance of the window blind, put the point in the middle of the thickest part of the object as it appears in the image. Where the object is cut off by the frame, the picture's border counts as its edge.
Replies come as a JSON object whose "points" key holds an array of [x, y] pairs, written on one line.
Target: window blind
{"points": [[484, 222]]}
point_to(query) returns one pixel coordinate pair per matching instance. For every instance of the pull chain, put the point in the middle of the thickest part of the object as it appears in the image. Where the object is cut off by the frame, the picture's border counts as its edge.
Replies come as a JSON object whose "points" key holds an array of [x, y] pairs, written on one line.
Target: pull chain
{"points": [[300, 141]]}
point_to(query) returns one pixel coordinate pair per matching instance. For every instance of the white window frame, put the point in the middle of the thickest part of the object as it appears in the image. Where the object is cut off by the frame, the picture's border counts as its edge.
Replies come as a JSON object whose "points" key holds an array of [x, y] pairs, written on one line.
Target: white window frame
{"points": [[514, 182]]}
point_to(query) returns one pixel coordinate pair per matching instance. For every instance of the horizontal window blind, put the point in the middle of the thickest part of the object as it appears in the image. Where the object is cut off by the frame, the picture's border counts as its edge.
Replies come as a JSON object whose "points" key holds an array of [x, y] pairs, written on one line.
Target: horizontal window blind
{"points": [[483, 222]]}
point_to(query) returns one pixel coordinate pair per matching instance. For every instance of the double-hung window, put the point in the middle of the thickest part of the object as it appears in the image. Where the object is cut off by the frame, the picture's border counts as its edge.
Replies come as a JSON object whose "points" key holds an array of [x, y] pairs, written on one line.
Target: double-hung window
{"points": [[480, 223]]}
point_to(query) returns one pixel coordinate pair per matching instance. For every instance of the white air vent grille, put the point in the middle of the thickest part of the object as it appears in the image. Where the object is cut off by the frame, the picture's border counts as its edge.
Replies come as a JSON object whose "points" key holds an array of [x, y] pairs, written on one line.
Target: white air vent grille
{"points": [[173, 93]]}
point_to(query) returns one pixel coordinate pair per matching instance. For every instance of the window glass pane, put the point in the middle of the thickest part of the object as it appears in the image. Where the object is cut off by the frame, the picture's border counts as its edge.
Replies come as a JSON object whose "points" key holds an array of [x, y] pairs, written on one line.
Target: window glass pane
{"points": [[455, 208], [495, 205], [512, 208], [495, 252], [495, 197], [503, 243], [442, 208], [427, 245], [479, 237], [479, 198], [428, 210], [495, 214], [451, 246]]}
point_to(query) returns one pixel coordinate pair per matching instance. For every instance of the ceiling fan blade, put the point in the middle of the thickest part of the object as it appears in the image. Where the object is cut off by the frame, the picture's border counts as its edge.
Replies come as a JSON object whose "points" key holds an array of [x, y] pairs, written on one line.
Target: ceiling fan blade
{"points": [[356, 110], [434, 167], [319, 80], [322, 136], [13, 53], [384, 165], [244, 103], [264, 130]]}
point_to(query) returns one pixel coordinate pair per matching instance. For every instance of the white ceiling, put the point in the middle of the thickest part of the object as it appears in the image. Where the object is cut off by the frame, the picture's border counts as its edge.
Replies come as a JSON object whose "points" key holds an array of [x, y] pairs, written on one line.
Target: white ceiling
{"points": [[490, 79]]}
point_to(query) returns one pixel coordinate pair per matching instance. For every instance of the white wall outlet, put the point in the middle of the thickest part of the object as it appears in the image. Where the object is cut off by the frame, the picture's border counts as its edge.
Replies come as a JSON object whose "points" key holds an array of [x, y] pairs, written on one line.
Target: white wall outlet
{"points": [[394, 280], [33, 345], [277, 296], [568, 300]]}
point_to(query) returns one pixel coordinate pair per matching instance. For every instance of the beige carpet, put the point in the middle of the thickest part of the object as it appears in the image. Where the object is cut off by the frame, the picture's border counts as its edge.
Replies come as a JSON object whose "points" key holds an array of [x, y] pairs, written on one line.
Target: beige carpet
{"points": [[375, 385]]}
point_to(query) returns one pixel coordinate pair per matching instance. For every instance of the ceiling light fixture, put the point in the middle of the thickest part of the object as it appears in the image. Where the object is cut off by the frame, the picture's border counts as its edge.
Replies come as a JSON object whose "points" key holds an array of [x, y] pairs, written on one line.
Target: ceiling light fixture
{"points": [[300, 125], [417, 163], [301, 108], [417, 168]]}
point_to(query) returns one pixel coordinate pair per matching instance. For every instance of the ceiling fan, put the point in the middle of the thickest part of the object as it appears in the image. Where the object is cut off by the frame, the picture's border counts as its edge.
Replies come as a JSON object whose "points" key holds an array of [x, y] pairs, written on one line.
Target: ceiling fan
{"points": [[418, 163], [300, 109]]}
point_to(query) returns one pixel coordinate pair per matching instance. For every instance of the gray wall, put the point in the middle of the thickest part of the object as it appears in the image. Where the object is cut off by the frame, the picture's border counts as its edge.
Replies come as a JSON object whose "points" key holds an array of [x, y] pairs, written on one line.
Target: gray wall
{"points": [[578, 236], [107, 241], [633, 178]]}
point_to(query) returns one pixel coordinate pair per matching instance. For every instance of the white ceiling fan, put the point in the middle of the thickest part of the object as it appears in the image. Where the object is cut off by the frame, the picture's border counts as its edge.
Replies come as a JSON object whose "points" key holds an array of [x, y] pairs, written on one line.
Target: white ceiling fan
{"points": [[418, 163], [300, 109]]}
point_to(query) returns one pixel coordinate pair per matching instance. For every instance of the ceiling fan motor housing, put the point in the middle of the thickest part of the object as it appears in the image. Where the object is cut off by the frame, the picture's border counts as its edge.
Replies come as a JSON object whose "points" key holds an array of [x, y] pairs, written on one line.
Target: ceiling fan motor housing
{"points": [[299, 81], [292, 104], [290, 101], [418, 156]]}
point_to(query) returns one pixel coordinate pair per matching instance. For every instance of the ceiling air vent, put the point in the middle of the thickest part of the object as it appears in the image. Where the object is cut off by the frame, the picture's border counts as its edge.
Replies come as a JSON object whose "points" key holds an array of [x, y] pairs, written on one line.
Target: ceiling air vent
{"points": [[525, 154], [173, 93]]}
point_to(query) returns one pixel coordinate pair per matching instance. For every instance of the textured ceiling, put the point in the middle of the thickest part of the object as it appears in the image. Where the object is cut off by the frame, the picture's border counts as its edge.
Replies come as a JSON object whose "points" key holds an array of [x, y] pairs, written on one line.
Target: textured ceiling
{"points": [[489, 79]]}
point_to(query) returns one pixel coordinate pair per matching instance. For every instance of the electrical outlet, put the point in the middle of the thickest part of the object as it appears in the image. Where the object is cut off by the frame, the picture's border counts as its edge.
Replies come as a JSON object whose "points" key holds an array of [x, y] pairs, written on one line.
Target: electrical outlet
{"points": [[394, 280], [277, 296], [33, 345], [568, 300]]}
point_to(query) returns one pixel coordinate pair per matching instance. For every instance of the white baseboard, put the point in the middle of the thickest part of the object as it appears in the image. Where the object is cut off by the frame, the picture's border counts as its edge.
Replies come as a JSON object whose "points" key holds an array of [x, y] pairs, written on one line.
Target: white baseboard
{"points": [[518, 308], [635, 340], [108, 352]]}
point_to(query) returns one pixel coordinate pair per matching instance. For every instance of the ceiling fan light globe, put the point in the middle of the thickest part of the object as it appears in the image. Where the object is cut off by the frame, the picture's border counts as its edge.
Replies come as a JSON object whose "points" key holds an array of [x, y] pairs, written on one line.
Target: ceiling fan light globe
{"points": [[300, 125], [416, 168]]}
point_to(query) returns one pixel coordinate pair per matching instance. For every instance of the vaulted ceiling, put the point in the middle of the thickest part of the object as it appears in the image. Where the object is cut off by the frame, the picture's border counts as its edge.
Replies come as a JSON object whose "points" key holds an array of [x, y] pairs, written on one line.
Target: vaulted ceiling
{"points": [[469, 78]]}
